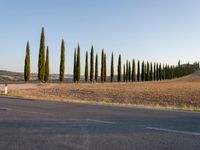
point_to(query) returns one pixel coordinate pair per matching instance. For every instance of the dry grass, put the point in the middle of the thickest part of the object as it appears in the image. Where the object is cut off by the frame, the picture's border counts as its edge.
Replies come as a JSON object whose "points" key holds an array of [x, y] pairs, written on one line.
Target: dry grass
{"points": [[179, 94]]}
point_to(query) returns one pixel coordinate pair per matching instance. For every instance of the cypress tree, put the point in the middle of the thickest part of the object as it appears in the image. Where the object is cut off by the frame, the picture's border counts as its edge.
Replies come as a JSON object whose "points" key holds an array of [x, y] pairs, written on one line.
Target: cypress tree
{"points": [[157, 71], [172, 72], [78, 65], [75, 66], [27, 64], [92, 64], [160, 71], [169, 72], [129, 72], [102, 66], [105, 68], [164, 73], [62, 61], [119, 77], [151, 72], [179, 68], [148, 72], [143, 72], [46, 78], [133, 71], [155, 74], [41, 60], [138, 72], [96, 68], [124, 73], [112, 68], [86, 67]]}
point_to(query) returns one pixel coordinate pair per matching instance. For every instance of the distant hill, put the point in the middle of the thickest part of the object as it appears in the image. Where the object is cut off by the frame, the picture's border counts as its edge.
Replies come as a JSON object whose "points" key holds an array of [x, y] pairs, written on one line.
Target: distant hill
{"points": [[10, 76], [16, 76]]}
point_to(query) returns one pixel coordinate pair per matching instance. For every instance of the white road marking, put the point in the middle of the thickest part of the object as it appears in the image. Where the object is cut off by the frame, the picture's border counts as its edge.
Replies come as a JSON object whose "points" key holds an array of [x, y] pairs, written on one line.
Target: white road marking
{"points": [[4, 109], [174, 131], [100, 121]]}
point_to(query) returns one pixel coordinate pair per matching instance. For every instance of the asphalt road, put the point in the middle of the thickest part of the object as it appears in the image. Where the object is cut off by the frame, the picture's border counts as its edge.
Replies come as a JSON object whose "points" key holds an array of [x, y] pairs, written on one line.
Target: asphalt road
{"points": [[44, 125]]}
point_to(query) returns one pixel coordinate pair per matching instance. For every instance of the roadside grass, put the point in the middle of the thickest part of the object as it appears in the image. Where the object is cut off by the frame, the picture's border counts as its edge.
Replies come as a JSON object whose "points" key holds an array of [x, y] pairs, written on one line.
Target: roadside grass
{"points": [[178, 94], [148, 106], [183, 107]]}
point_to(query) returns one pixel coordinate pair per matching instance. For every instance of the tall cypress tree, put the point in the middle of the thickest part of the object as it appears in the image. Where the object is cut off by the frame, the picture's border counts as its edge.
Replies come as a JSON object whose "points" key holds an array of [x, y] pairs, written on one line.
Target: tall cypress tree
{"points": [[86, 67], [179, 68], [148, 72], [151, 72], [105, 68], [78, 65], [160, 71], [62, 61], [133, 71], [92, 64], [157, 71], [75, 66], [171, 72], [112, 68], [143, 72], [27, 64], [138, 72], [167, 72], [119, 77], [96, 68], [129, 72], [124, 73], [46, 77], [102, 66], [155, 74], [164, 73], [41, 60]]}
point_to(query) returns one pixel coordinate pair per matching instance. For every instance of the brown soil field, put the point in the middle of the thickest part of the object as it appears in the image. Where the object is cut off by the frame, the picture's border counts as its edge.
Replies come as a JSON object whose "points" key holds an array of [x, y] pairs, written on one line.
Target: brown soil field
{"points": [[183, 93]]}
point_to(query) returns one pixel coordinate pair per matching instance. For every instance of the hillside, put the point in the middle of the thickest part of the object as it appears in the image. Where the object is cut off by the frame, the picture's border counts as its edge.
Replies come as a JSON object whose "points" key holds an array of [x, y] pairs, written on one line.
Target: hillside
{"points": [[9, 76], [194, 77]]}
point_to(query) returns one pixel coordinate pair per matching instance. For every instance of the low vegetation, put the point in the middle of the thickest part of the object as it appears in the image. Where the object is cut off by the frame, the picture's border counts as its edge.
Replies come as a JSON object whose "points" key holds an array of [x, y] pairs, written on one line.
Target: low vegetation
{"points": [[182, 93]]}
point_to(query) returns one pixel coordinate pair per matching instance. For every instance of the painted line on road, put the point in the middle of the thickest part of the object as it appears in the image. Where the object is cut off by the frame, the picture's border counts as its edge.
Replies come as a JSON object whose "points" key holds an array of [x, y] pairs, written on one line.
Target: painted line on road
{"points": [[4, 109], [100, 121], [174, 131]]}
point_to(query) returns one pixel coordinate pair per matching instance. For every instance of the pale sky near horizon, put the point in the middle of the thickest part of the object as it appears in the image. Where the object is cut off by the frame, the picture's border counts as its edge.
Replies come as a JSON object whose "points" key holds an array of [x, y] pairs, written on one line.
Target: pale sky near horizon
{"points": [[152, 30]]}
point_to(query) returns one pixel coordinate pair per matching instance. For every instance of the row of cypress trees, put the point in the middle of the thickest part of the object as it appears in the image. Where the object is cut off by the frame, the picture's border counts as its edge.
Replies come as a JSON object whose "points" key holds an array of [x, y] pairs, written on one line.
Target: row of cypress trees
{"points": [[153, 72], [146, 71], [94, 74], [43, 61]]}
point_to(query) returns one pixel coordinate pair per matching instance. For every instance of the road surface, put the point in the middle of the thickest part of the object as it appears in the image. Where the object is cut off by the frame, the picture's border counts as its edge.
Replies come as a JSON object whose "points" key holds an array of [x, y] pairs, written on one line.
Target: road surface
{"points": [[44, 125]]}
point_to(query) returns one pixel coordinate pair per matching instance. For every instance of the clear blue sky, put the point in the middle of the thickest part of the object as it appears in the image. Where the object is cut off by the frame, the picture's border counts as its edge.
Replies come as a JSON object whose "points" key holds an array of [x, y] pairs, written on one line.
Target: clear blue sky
{"points": [[151, 30]]}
